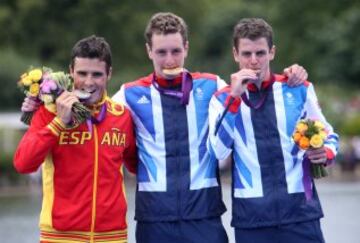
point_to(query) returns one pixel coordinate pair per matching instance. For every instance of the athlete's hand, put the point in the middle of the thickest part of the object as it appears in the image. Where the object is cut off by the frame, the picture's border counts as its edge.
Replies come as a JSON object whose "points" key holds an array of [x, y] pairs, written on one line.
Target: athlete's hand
{"points": [[64, 104], [296, 75], [29, 105], [317, 156], [240, 79]]}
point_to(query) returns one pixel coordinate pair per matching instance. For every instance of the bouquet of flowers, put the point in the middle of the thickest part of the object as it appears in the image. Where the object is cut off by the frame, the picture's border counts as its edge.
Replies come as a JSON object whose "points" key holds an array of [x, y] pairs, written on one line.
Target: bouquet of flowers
{"points": [[29, 83], [44, 85], [311, 134]]}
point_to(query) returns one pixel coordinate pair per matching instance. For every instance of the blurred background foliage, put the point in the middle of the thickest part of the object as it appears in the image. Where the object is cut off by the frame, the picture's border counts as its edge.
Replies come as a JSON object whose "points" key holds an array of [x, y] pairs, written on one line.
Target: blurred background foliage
{"points": [[323, 36]]}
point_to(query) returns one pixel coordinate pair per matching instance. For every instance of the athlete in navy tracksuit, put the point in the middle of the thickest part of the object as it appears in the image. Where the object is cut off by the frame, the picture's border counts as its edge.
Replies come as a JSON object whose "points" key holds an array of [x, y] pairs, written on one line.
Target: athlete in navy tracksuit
{"points": [[178, 188], [178, 196], [268, 201]]}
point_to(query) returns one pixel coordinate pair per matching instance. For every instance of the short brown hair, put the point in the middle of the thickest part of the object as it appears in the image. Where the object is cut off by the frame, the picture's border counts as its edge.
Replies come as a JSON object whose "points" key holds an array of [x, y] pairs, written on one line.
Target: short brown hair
{"points": [[166, 23], [253, 29], [92, 47]]}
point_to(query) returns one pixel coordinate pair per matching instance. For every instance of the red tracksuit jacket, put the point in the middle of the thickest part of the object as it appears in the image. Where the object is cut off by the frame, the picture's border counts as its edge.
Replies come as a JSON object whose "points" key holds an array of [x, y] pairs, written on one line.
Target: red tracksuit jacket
{"points": [[84, 197]]}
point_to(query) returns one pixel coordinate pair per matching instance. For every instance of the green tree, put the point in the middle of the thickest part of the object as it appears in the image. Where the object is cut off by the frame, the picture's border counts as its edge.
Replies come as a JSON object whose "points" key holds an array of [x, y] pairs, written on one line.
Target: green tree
{"points": [[320, 35]]}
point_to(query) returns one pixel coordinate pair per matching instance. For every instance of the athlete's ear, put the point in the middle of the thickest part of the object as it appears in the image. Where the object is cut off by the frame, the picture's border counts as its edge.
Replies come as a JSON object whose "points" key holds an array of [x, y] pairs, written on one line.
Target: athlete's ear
{"points": [[149, 51], [235, 54], [186, 47], [109, 73], [272, 52], [71, 71]]}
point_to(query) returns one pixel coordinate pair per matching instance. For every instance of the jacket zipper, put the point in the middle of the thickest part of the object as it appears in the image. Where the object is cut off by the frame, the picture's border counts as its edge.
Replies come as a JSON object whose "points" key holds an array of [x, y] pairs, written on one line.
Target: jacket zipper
{"points": [[178, 183], [96, 165]]}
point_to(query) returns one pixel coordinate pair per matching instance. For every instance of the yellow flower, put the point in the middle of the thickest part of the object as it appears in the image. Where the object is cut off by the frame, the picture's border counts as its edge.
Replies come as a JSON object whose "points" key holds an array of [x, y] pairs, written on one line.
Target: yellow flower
{"points": [[35, 75], [26, 81], [323, 135], [301, 127], [23, 75], [47, 98], [304, 143], [34, 89], [319, 125], [316, 141]]}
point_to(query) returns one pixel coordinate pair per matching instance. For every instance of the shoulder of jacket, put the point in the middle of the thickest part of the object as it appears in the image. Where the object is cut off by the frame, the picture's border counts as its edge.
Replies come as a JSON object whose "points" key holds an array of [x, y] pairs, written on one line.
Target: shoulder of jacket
{"points": [[114, 107], [141, 82], [224, 91], [284, 79], [209, 76]]}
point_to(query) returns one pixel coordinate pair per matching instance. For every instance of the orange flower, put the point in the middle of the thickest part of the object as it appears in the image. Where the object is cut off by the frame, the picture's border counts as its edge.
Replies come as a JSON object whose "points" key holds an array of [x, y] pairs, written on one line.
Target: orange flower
{"points": [[297, 136], [304, 143]]}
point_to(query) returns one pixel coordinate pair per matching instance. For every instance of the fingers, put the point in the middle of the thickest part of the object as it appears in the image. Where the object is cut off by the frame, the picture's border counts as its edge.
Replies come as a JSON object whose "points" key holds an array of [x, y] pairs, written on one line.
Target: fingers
{"points": [[29, 105], [318, 161], [240, 79], [317, 156], [64, 104], [296, 75]]}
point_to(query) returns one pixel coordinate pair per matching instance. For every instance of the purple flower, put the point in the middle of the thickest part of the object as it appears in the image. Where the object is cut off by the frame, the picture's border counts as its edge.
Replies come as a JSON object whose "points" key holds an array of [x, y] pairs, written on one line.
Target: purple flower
{"points": [[47, 86]]}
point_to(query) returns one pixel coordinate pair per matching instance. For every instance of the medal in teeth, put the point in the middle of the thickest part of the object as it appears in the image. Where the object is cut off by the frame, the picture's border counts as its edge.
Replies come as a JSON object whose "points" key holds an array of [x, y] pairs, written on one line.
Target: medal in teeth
{"points": [[172, 71], [82, 94]]}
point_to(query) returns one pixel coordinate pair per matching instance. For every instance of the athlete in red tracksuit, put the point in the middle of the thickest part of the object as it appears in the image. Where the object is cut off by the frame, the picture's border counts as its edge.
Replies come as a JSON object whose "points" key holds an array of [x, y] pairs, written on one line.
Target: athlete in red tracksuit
{"points": [[83, 185], [83, 189]]}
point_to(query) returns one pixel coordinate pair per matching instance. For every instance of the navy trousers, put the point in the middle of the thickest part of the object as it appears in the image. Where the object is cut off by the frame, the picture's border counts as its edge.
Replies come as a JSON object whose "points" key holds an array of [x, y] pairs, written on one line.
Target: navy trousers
{"points": [[303, 232], [184, 231]]}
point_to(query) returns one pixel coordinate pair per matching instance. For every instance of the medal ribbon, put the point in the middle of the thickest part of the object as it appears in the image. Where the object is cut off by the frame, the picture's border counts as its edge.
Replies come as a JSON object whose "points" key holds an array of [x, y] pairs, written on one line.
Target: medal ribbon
{"points": [[98, 119], [186, 86]]}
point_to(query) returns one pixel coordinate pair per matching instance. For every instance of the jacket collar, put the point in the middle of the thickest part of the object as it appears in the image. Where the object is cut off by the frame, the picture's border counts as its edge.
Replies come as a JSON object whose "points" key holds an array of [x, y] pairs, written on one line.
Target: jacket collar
{"points": [[264, 85]]}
